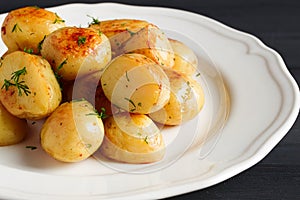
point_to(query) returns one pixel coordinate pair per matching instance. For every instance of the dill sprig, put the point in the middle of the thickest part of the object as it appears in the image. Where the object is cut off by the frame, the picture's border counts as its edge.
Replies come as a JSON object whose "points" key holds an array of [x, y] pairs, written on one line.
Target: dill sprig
{"points": [[102, 114], [94, 20], [14, 81]]}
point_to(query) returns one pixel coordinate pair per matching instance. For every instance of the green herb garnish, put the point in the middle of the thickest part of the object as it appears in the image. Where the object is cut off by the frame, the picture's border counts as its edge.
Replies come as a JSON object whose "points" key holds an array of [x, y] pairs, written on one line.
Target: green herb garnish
{"points": [[31, 147], [127, 76], [16, 28], [57, 76], [14, 81], [130, 32], [62, 64], [81, 40], [146, 140], [58, 19], [1, 60], [95, 20], [30, 51], [132, 103], [41, 43], [102, 114]]}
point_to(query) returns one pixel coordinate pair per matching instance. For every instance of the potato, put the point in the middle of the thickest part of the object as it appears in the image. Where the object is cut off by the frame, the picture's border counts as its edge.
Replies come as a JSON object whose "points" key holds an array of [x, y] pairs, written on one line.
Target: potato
{"points": [[186, 100], [12, 129], [136, 84], [25, 28], [118, 31], [132, 138], [73, 132], [186, 61], [137, 36], [29, 88], [153, 43], [75, 51]]}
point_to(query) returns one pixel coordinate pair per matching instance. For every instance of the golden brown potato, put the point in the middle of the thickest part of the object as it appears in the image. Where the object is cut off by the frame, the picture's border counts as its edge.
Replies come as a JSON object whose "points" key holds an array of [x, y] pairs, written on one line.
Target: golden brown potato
{"points": [[76, 52], [73, 132], [12, 129], [137, 36], [29, 88], [132, 138], [186, 61], [186, 100], [118, 30], [136, 84], [153, 43], [25, 28]]}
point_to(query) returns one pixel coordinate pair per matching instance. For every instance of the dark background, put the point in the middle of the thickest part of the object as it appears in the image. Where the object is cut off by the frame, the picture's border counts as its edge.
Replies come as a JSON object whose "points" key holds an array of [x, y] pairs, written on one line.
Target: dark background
{"points": [[277, 24]]}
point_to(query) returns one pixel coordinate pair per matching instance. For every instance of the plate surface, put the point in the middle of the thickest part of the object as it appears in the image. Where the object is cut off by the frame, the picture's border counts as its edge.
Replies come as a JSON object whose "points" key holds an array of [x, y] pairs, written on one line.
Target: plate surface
{"points": [[264, 103]]}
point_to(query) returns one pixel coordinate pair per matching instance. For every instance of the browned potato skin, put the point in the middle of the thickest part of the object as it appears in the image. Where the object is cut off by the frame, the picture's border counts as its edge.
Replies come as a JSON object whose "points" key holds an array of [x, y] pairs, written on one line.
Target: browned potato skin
{"points": [[186, 100], [26, 27], [153, 43], [45, 91], [12, 129], [125, 143], [137, 36], [119, 30], [80, 57]]}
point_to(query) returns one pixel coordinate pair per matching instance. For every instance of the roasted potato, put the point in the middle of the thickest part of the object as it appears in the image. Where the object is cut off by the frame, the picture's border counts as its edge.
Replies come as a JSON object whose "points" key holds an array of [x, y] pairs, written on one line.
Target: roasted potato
{"points": [[29, 88], [12, 129], [118, 31], [132, 138], [73, 51], [25, 28], [137, 36], [185, 61], [186, 100], [136, 84], [73, 132]]}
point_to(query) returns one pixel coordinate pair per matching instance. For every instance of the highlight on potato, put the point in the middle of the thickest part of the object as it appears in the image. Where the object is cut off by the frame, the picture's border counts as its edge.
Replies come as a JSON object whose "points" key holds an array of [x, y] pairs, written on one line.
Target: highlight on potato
{"points": [[107, 88]]}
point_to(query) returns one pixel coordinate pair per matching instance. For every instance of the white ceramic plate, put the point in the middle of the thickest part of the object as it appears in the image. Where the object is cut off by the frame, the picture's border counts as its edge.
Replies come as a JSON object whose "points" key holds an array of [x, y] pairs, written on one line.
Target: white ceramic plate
{"points": [[264, 103]]}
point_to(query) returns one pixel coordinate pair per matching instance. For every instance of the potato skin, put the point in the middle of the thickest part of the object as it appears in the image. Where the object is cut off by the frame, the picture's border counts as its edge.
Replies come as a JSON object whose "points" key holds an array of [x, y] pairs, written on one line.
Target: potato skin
{"points": [[185, 60], [132, 138], [153, 43], [45, 94], [137, 36], [119, 31], [136, 84], [26, 27], [73, 132], [73, 51], [12, 129], [186, 100]]}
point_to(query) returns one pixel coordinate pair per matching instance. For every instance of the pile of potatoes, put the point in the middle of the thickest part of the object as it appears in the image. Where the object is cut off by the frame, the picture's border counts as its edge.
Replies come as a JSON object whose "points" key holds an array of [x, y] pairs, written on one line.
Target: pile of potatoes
{"points": [[105, 87]]}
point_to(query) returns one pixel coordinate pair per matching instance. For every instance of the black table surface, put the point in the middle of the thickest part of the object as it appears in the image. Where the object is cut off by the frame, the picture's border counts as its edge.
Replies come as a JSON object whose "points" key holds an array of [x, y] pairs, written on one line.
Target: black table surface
{"points": [[277, 24]]}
